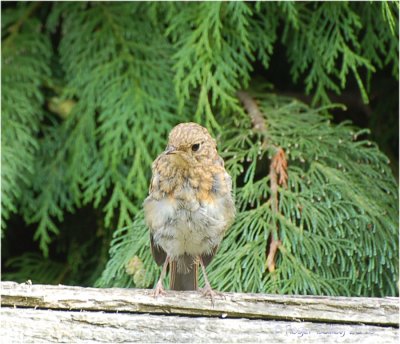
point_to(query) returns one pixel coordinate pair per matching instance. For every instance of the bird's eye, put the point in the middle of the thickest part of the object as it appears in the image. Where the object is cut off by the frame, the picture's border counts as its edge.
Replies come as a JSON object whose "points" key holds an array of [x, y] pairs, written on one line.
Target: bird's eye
{"points": [[195, 147]]}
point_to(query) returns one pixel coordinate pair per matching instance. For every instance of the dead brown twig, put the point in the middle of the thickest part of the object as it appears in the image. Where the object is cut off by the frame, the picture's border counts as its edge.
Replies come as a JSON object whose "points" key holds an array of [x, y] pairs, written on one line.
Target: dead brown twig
{"points": [[253, 110], [278, 176], [277, 171]]}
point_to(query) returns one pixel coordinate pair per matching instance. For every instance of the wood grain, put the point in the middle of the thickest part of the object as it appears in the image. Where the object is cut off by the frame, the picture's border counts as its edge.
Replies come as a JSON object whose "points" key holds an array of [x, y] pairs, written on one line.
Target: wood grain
{"points": [[48, 326], [46, 313]]}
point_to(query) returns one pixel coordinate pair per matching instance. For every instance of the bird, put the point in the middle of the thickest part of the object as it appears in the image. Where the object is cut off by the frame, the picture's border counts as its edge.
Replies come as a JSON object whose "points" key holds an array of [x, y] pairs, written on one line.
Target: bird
{"points": [[189, 207]]}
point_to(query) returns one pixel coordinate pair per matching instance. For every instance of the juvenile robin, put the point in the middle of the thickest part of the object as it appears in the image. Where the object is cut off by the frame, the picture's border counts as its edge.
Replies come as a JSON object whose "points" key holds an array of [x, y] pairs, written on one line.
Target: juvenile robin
{"points": [[189, 207]]}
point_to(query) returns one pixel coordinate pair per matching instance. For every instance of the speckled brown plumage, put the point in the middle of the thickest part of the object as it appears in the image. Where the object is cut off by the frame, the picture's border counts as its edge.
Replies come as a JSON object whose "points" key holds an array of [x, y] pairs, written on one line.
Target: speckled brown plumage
{"points": [[189, 206]]}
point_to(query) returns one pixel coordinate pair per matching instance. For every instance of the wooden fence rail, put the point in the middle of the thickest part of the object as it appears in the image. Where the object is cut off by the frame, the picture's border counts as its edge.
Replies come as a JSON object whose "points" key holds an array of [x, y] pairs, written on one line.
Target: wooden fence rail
{"points": [[46, 313]]}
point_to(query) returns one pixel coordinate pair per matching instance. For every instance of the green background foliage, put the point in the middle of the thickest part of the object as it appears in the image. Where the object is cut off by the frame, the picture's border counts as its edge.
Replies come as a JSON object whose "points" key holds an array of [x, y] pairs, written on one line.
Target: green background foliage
{"points": [[91, 90]]}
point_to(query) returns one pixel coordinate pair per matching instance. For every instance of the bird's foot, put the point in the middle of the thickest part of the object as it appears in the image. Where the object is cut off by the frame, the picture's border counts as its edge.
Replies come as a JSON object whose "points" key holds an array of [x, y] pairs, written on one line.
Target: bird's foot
{"points": [[159, 290], [207, 291]]}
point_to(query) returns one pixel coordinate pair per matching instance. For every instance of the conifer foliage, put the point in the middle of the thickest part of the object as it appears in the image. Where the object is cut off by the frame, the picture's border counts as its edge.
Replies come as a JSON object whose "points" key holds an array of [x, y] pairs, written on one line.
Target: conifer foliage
{"points": [[91, 90]]}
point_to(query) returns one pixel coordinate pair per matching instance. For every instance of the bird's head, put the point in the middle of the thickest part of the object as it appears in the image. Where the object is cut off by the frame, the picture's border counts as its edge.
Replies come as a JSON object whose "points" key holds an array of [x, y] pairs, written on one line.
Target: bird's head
{"points": [[191, 144]]}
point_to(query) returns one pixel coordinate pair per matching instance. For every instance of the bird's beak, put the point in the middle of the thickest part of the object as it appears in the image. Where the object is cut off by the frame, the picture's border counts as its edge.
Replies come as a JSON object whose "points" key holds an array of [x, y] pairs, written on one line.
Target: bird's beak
{"points": [[177, 157], [170, 150]]}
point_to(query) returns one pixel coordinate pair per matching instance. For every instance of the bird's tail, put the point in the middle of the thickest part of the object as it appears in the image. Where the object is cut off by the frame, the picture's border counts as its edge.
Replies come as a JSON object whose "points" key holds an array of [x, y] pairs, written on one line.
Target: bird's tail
{"points": [[184, 277]]}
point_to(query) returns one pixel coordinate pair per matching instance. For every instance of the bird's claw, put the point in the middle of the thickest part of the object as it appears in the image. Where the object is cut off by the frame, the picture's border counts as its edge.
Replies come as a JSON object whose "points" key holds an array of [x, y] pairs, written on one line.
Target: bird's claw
{"points": [[159, 290], [207, 291]]}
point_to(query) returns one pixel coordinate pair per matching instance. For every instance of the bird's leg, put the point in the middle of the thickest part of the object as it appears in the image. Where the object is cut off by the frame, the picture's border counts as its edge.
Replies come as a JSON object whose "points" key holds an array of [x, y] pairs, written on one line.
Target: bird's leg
{"points": [[159, 289], [207, 290]]}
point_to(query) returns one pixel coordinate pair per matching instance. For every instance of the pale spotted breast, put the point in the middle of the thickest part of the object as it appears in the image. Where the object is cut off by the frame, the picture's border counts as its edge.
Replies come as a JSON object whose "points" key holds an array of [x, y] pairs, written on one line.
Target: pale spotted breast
{"points": [[190, 203]]}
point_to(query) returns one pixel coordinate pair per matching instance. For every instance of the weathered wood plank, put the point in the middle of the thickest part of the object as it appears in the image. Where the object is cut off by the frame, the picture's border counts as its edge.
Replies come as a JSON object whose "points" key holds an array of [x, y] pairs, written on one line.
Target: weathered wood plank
{"points": [[345, 310], [20, 325]]}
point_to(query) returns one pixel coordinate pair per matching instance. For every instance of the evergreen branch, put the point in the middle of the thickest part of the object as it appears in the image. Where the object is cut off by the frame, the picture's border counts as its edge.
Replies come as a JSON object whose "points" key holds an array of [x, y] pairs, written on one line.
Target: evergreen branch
{"points": [[219, 37], [334, 222], [389, 16], [32, 266], [125, 84], [25, 65], [15, 28]]}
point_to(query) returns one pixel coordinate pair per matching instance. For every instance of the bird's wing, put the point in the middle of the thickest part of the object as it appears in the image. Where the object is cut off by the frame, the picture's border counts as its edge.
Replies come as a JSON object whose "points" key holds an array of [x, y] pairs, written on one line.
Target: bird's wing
{"points": [[157, 252]]}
